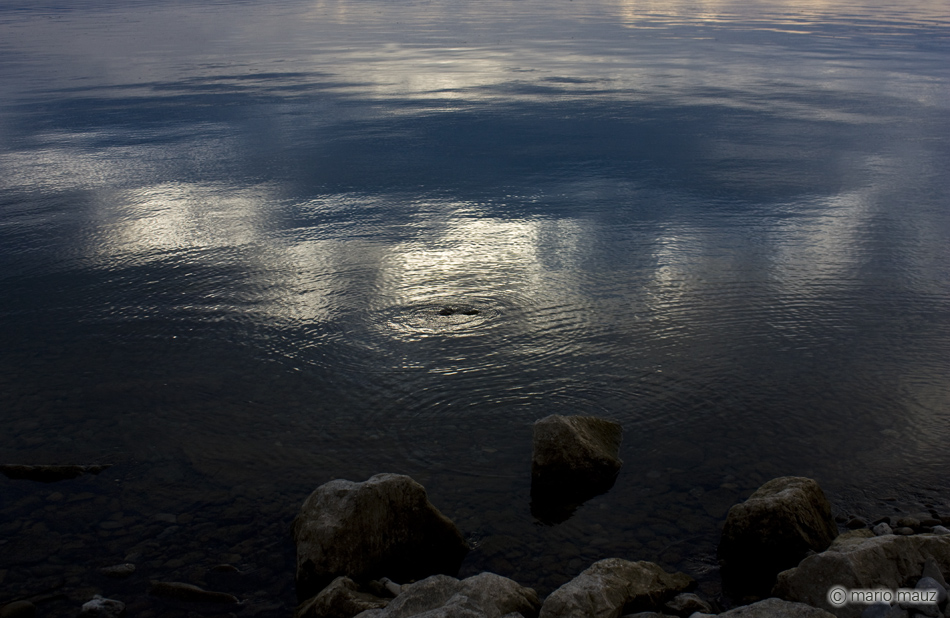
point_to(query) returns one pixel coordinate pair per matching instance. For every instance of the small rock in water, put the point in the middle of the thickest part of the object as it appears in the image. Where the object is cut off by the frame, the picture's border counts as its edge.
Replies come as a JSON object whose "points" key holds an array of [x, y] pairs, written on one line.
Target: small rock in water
{"points": [[448, 310], [686, 604], [186, 592], [882, 610], [118, 570], [941, 530], [48, 474], [100, 607], [856, 522], [906, 531]]}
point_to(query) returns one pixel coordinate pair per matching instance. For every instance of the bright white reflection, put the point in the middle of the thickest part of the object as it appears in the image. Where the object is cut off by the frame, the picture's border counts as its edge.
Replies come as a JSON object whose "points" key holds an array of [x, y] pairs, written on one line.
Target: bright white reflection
{"points": [[179, 216]]}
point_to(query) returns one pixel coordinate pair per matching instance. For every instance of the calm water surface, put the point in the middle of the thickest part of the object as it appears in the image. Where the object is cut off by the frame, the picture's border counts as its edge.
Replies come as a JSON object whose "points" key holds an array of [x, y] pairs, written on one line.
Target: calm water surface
{"points": [[227, 229]]}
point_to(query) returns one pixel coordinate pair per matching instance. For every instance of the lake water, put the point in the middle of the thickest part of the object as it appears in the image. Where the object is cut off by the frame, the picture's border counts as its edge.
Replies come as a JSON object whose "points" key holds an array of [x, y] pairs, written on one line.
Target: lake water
{"points": [[227, 230]]}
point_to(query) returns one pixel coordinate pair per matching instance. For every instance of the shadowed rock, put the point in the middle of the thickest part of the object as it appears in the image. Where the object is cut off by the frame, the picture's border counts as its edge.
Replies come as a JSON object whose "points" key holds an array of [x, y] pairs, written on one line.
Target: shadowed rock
{"points": [[574, 459], [451, 310], [613, 587], [776, 608], [888, 562], [49, 474], [784, 520], [384, 526], [341, 599], [485, 595], [178, 591]]}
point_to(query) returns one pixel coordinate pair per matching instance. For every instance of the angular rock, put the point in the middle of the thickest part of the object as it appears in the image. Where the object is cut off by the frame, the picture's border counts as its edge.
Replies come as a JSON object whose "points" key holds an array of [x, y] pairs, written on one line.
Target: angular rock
{"points": [[685, 604], [613, 587], [99, 607], [889, 562], [49, 474], [179, 591], [341, 599], [932, 571], [485, 595], [384, 526], [776, 608], [574, 458], [772, 531]]}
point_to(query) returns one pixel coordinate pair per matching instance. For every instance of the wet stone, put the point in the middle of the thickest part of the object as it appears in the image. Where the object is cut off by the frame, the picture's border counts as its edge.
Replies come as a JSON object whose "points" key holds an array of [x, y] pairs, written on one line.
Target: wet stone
{"points": [[118, 571]]}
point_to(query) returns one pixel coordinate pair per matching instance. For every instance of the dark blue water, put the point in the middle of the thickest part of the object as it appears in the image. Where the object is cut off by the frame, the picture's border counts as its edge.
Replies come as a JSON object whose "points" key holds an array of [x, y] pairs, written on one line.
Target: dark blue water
{"points": [[227, 230]]}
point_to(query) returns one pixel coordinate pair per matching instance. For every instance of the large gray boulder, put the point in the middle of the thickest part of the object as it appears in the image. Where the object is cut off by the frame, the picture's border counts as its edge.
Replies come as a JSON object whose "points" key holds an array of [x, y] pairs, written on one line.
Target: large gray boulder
{"points": [[485, 595], [776, 608], [784, 520], [574, 459], [613, 587], [889, 562], [341, 599], [384, 526]]}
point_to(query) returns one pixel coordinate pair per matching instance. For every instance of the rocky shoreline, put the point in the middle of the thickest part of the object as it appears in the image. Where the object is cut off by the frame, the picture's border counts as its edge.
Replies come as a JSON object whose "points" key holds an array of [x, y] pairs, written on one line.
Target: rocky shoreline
{"points": [[380, 549]]}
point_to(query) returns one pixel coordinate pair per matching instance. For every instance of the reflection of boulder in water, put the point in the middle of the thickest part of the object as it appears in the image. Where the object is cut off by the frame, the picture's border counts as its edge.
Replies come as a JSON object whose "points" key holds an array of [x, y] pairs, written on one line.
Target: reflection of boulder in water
{"points": [[454, 310], [574, 459]]}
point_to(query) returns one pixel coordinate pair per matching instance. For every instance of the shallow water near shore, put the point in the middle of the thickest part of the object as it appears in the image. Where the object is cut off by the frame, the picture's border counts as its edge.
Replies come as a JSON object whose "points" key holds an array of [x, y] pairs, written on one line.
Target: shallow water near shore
{"points": [[228, 231]]}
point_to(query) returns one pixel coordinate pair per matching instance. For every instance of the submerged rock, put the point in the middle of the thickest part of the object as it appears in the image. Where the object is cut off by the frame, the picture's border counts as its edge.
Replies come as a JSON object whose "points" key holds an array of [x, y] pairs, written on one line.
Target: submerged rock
{"points": [[49, 474], [784, 520], [452, 310], [612, 587], [574, 458], [384, 526], [179, 591]]}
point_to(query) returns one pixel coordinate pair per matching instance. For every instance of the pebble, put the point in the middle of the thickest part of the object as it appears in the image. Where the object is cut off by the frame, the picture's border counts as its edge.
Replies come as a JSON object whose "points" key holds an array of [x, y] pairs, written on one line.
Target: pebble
{"points": [[904, 530], [100, 607], [908, 522], [941, 530], [882, 529], [856, 522]]}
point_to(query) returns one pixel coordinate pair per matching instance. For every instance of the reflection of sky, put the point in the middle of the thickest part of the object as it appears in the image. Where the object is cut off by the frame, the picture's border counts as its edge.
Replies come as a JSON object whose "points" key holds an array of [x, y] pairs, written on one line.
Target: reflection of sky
{"points": [[738, 97]]}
